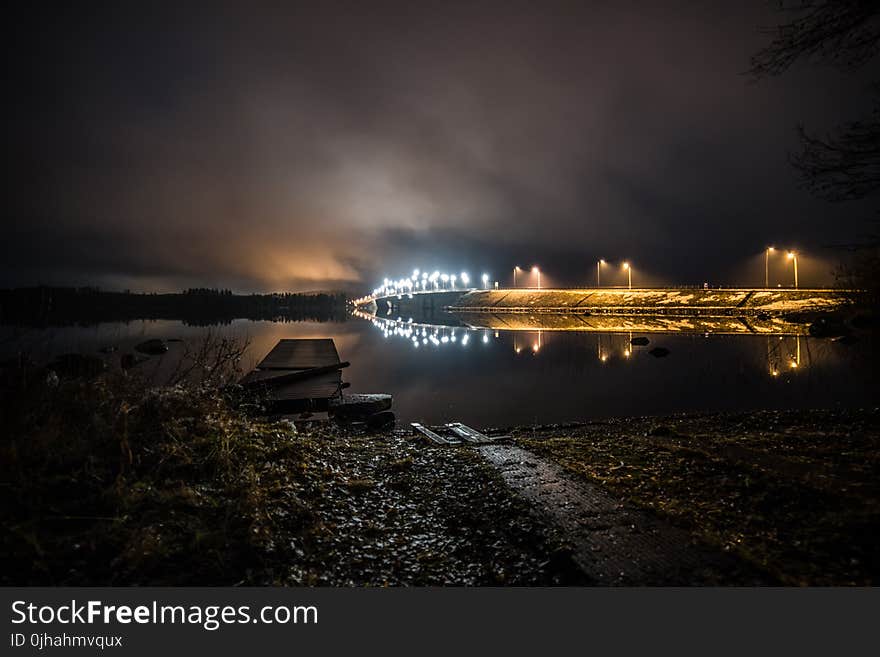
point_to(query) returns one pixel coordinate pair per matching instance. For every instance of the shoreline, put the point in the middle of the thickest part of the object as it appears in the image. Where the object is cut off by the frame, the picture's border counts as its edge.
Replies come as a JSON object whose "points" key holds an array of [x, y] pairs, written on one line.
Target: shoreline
{"points": [[116, 483]]}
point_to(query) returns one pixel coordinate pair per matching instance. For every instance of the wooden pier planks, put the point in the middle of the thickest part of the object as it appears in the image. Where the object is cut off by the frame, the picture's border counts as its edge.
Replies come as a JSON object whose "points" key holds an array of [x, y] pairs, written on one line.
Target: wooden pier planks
{"points": [[300, 354], [434, 437], [456, 433], [466, 433], [299, 373]]}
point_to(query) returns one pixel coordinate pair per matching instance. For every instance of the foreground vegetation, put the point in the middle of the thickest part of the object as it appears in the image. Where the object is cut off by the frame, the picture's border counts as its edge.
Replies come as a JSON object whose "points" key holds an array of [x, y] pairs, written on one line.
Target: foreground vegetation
{"points": [[794, 493], [111, 481]]}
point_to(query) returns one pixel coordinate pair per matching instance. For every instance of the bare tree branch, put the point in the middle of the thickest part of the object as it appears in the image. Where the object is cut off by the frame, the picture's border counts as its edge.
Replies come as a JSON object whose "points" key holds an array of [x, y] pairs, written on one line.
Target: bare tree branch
{"points": [[842, 33], [844, 166]]}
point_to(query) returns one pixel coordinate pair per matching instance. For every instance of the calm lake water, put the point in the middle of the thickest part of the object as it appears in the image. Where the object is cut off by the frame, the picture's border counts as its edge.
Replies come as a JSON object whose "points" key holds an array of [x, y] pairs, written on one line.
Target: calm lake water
{"points": [[487, 378]]}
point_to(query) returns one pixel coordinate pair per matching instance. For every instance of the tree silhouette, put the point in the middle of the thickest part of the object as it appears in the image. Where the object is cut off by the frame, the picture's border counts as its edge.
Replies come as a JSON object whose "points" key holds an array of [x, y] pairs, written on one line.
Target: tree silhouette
{"points": [[844, 34]]}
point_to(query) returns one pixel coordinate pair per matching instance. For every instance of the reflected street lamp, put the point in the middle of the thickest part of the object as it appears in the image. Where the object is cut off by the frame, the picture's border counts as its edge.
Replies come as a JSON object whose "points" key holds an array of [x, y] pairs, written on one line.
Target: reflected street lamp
{"points": [[629, 274], [793, 257]]}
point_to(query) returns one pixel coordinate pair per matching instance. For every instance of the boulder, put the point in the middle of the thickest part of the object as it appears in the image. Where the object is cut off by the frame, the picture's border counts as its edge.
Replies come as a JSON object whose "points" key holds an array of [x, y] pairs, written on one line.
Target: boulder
{"points": [[864, 321], [828, 327], [381, 421], [659, 352], [639, 342]]}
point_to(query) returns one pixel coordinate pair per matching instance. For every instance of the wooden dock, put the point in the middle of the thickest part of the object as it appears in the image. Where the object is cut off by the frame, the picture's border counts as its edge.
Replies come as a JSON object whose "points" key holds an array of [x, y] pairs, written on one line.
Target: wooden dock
{"points": [[305, 375], [299, 375]]}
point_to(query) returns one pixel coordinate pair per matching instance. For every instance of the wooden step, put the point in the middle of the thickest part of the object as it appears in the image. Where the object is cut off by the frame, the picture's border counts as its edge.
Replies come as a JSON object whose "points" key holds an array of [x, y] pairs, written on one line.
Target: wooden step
{"points": [[435, 438], [467, 434]]}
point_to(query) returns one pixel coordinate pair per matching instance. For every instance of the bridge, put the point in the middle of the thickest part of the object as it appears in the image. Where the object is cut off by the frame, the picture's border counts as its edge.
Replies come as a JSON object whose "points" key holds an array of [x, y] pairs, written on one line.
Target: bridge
{"points": [[716, 302]]}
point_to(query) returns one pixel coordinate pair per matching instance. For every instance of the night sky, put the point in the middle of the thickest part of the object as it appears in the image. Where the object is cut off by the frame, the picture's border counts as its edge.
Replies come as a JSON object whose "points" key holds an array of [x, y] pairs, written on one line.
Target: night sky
{"points": [[324, 145]]}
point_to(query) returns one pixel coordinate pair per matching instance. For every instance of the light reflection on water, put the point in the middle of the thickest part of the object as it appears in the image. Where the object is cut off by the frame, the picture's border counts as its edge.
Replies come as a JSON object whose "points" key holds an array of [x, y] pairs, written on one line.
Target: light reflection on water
{"points": [[491, 377]]}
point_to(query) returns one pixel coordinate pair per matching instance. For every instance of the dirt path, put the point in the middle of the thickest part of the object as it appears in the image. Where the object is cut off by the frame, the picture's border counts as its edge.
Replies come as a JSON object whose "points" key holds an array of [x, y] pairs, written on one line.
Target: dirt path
{"points": [[612, 543]]}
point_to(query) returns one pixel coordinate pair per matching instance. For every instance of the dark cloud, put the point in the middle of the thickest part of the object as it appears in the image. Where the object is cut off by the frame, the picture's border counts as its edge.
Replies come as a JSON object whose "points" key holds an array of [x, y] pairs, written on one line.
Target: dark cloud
{"points": [[315, 145]]}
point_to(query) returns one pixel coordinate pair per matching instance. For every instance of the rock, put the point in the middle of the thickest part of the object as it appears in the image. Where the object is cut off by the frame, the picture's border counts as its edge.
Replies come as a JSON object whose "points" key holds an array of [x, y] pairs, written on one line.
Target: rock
{"points": [[154, 347], [78, 366], [828, 327], [359, 406], [379, 421], [659, 352], [639, 342], [864, 321]]}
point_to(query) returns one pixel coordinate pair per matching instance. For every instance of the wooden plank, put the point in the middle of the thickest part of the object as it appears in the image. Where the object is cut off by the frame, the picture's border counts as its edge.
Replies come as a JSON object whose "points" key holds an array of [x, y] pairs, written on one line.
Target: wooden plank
{"points": [[430, 435], [276, 377], [468, 434], [301, 354]]}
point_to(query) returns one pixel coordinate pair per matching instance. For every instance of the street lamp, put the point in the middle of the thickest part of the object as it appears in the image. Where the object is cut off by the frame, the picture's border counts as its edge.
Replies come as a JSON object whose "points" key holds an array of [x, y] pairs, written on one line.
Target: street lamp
{"points": [[767, 266], [465, 279], [598, 272], [793, 257], [515, 269], [629, 274], [485, 280], [537, 271]]}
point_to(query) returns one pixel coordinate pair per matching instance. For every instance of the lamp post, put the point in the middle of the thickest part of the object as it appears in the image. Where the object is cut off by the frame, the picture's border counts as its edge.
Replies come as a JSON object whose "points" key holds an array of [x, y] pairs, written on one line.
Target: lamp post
{"points": [[767, 266], [599, 272], [793, 257], [485, 280], [629, 274], [537, 271], [515, 269]]}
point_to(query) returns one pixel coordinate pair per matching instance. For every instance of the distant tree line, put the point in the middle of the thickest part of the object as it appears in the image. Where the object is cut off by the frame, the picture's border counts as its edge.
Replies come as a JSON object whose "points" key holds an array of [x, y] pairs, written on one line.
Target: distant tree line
{"points": [[60, 306]]}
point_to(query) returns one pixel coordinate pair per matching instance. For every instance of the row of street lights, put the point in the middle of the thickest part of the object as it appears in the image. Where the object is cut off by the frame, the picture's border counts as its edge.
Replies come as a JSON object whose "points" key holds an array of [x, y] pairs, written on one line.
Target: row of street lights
{"points": [[535, 271], [791, 255], [626, 267], [415, 282]]}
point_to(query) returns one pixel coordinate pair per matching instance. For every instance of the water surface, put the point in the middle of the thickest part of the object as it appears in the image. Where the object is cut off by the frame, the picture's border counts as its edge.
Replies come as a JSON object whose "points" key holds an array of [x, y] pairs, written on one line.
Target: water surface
{"points": [[498, 378]]}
